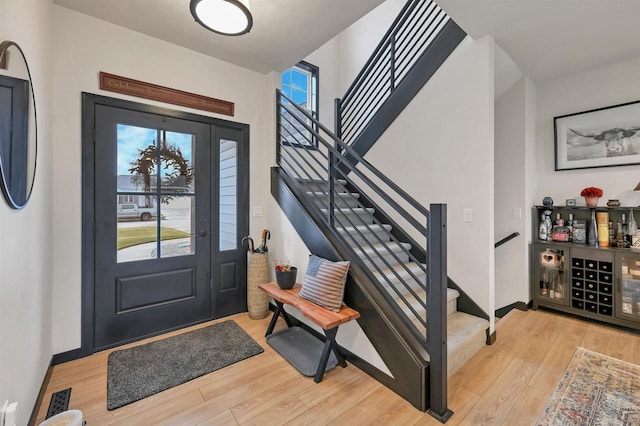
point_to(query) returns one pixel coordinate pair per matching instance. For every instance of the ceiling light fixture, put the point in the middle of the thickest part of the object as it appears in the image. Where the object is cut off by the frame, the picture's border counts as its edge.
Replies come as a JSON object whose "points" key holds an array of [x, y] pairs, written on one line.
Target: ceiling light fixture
{"points": [[227, 17]]}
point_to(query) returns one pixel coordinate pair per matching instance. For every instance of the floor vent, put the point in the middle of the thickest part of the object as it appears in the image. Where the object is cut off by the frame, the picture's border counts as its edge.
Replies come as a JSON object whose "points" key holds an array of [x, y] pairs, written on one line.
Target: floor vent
{"points": [[59, 402]]}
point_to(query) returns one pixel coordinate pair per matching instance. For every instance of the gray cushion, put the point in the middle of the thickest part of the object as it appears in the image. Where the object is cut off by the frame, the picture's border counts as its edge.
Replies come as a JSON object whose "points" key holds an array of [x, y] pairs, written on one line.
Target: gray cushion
{"points": [[324, 282]]}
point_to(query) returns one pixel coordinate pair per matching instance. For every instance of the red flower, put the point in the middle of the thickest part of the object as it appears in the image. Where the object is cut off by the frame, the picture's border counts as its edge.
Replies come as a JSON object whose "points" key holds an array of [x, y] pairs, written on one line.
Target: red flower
{"points": [[591, 191]]}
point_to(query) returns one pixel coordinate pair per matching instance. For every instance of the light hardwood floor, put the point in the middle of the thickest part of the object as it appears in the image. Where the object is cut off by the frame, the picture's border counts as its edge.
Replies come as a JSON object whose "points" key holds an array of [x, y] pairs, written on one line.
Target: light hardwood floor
{"points": [[508, 383]]}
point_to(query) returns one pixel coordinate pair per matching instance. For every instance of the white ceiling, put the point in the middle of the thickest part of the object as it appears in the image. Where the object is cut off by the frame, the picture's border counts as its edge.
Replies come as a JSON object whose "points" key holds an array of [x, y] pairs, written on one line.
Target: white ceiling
{"points": [[284, 31], [549, 39]]}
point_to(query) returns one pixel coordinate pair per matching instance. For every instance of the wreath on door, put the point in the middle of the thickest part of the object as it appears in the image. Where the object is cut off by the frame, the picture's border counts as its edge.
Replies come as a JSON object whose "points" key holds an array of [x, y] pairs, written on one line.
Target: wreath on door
{"points": [[177, 173]]}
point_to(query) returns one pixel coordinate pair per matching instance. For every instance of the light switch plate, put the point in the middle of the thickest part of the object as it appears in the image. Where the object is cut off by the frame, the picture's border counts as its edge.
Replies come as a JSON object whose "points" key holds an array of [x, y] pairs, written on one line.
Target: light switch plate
{"points": [[517, 213], [468, 215], [257, 211]]}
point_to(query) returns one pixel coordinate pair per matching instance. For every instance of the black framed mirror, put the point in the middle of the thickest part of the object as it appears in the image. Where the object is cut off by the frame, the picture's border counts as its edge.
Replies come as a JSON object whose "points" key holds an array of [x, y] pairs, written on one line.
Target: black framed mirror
{"points": [[18, 126]]}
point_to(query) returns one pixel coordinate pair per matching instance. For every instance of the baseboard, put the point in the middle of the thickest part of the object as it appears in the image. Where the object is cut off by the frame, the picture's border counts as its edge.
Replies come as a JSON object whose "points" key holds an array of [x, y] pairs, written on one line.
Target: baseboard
{"points": [[40, 398], [63, 357], [521, 306]]}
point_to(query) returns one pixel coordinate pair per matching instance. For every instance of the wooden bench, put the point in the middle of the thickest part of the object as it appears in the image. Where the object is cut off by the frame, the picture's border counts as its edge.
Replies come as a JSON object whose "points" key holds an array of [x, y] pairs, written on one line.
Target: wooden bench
{"points": [[329, 321]]}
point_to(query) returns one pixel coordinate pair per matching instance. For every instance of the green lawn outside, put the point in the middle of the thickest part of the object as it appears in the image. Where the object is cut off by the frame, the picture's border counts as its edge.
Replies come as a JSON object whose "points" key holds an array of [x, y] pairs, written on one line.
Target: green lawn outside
{"points": [[128, 237]]}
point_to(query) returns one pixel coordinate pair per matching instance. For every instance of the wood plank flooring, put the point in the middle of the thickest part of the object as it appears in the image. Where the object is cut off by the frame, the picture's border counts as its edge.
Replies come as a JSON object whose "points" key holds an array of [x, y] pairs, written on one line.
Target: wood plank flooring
{"points": [[508, 383]]}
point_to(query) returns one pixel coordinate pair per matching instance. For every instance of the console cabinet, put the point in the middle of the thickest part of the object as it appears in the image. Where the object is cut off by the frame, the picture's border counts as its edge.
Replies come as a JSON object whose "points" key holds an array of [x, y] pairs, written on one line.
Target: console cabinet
{"points": [[592, 282]]}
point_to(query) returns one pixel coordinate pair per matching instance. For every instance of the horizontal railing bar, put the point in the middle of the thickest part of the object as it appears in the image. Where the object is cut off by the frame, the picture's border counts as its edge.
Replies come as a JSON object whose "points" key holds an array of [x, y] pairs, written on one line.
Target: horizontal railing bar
{"points": [[372, 84], [351, 152], [388, 266], [406, 216], [406, 9], [428, 40]]}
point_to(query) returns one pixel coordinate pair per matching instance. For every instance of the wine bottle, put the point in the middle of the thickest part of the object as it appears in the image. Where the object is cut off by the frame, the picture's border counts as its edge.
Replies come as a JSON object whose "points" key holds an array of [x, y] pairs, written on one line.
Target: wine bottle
{"points": [[544, 285]]}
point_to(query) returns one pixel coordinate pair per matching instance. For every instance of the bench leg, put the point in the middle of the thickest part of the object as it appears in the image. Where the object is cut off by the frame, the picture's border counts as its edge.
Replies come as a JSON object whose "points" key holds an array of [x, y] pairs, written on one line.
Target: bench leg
{"points": [[329, 345], [279, 311]]}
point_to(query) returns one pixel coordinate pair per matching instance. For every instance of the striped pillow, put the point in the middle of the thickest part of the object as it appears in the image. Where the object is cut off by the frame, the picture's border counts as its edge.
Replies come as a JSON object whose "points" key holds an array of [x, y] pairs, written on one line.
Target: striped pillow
{"points": [[324, 282]]}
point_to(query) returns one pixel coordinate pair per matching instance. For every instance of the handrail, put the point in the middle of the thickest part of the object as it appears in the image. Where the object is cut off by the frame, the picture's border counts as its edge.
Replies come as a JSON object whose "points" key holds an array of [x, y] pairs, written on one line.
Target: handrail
{"points": [[505, 239], [309, 152], [383, 42], [412, 32], [347, 150]]}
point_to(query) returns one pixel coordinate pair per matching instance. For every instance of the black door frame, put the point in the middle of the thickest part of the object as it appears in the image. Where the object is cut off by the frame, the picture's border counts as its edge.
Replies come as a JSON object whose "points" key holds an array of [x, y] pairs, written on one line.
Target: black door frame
{"points": [[89, 102]]}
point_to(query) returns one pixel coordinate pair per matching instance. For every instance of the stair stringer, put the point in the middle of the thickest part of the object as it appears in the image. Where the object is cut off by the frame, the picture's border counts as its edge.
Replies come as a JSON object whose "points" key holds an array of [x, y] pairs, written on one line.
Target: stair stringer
{"points": [[425, 67], [389, 334]]}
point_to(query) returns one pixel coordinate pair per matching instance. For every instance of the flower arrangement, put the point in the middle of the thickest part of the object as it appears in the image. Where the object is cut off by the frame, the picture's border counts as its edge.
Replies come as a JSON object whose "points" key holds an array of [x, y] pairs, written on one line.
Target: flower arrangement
{"points": [[283, 266], [591, 191]]}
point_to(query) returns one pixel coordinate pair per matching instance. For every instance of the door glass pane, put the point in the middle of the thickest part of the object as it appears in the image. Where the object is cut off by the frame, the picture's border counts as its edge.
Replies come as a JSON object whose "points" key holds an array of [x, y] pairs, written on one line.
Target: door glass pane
{"points": [[137, 159], [228, 195], [149, 213], [137, 231], [177, 224], [176, 162]]}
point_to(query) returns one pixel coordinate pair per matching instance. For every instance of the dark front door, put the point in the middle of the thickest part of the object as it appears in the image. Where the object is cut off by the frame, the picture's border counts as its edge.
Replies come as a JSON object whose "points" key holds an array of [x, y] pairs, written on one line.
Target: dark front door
{"points": [[170, 209]]}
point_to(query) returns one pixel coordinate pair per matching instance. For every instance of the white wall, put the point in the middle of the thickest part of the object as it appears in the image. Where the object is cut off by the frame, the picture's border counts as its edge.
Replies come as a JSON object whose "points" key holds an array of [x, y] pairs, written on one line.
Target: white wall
{"points": [[440, 149], [84, 46], [597, 88], [511, 129], [25, 268]]}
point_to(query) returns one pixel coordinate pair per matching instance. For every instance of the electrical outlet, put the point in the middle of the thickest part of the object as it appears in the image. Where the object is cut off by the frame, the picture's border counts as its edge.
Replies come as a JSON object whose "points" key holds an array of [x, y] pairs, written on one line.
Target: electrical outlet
{"points": [[10, 414], [257, 211]]}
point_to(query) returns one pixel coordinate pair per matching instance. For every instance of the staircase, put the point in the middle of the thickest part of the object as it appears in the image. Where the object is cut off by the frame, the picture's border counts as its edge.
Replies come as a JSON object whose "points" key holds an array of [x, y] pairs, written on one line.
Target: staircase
{"points": [[401, 277], [420, 322]]}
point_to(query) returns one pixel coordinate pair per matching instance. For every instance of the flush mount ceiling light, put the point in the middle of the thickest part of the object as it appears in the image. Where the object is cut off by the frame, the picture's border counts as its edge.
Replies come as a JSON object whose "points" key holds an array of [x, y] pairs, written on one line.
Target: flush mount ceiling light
{"points": [[227, 17]]}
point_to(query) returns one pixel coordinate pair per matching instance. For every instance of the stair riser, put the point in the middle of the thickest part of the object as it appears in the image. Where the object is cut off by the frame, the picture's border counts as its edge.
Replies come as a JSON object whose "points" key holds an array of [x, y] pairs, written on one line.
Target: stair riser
{"points": [[322, 187], [391, 260], [339, 202], [366, 237], [352, 219]]}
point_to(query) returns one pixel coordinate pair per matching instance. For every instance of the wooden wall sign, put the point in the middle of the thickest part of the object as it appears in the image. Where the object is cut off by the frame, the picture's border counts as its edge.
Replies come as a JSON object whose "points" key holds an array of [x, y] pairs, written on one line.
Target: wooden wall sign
{"points": [[141, 89]]}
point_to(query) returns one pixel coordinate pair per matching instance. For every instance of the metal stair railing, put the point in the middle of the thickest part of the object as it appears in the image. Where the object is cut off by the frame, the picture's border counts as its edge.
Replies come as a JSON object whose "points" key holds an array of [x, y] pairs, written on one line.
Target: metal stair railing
{"points": [[308, 152], [411, 33]]}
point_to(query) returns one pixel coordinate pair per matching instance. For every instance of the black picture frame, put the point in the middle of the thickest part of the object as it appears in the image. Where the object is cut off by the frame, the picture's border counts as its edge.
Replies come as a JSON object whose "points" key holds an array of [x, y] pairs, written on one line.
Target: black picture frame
{"points": [[603, 137]]}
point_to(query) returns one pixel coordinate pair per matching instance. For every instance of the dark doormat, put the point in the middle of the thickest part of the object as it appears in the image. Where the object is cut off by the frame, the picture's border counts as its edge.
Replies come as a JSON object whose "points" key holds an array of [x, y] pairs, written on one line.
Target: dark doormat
{"points": [[136, 373]]}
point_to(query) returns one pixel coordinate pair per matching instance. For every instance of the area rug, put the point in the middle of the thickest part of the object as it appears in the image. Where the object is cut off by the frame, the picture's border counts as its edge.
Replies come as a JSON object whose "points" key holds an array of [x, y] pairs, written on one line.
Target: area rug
{"points": [[141, 371], [595, 390]]}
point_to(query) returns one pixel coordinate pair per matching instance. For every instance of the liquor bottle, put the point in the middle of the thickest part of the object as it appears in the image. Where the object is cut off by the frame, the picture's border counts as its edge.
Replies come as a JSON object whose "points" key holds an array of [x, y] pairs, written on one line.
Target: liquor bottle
{"points": [[592, 236], [547, 220], [570, 227], [625, 228], [620, 241], [560, 232], [612, 235], [602, 220], [543, 232], [633, 228], [559, 293]]}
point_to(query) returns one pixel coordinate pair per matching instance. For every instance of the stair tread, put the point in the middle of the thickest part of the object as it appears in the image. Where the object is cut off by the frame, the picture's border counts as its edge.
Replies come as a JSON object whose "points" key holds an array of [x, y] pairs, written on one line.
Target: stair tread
{"points": [[380, 248], [341, 194], [465, 336], [355, 210], [365, 228]]}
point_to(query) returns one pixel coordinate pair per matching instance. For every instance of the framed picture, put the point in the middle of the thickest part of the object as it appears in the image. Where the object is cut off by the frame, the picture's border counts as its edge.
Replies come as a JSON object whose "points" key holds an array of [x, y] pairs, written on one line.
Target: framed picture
{"points": [[602, 137]]}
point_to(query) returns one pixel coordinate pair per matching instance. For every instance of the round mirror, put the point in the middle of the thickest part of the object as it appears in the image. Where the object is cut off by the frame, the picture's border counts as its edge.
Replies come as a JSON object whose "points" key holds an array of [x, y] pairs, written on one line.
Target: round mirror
{"points": [[18, 126]]}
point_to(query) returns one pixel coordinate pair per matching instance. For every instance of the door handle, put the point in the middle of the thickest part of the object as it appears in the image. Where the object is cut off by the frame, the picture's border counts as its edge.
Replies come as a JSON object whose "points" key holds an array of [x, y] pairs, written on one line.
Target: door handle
{"points": [[202, 233]]}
